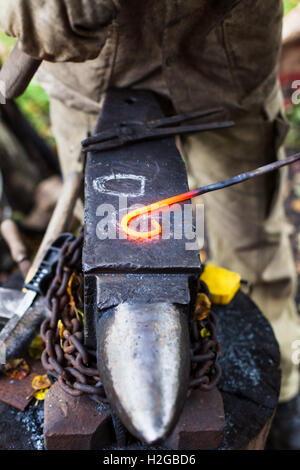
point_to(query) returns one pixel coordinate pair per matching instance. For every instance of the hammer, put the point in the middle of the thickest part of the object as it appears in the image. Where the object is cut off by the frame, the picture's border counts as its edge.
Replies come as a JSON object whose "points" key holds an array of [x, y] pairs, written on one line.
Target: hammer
{"points": [[17, 72]]}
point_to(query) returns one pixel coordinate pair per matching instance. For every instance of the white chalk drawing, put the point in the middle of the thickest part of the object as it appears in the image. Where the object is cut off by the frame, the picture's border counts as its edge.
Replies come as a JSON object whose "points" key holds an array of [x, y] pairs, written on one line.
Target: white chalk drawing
{"points": [[100, 184]]}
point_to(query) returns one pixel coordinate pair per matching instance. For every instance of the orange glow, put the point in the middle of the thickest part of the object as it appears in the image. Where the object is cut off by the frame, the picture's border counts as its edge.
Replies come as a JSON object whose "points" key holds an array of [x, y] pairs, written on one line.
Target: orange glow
{"points": [[156, 227]]}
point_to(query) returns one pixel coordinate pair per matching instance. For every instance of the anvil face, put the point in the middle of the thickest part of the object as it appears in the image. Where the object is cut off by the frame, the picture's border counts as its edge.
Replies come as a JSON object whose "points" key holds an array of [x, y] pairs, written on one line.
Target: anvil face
{"points": [[132, 285], [141, 173]]}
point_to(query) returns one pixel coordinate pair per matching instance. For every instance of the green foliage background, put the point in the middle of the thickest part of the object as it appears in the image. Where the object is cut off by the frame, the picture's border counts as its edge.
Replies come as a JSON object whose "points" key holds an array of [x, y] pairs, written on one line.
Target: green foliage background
{"points": [[290, 4], [35, 103]]}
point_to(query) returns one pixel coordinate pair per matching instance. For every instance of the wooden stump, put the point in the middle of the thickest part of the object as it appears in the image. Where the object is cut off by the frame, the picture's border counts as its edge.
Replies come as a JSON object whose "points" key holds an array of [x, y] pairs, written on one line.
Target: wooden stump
{"points": [[259, 442], [250, 382]]}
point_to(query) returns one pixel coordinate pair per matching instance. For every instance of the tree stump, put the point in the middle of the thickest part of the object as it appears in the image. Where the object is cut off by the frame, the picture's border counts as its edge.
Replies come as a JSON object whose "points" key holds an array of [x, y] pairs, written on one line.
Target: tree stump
{"points": [[250, 381]]}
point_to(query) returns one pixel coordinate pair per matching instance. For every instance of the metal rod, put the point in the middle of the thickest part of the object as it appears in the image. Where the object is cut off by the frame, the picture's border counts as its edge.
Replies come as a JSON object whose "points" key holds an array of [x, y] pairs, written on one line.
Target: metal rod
{"points": [[156, 228], [245, 176]]}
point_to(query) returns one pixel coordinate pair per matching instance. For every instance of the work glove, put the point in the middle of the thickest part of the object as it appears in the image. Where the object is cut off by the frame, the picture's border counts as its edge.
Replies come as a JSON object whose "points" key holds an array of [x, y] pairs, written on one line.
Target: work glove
{"points": [[59, 30]]}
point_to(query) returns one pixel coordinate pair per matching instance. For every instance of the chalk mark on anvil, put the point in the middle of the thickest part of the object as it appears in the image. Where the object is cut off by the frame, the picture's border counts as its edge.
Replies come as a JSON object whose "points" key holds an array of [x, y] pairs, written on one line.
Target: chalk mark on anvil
{"points": [[101, 184]]}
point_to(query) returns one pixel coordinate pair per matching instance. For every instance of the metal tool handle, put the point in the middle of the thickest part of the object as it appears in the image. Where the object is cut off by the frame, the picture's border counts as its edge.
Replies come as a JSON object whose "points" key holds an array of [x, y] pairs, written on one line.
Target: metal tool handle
{"points": [[46, 271], [17, 72], [17, 334]]}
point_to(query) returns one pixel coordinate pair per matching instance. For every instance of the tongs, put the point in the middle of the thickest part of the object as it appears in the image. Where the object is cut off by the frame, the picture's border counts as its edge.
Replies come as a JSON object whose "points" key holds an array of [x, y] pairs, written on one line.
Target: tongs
{"points": [[136, 131]]}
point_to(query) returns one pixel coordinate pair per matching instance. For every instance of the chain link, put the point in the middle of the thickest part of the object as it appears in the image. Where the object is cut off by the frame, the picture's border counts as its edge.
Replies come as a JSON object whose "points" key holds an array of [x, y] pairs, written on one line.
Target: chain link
{"points": [[205, 348], [65, 357], [67, 360]]}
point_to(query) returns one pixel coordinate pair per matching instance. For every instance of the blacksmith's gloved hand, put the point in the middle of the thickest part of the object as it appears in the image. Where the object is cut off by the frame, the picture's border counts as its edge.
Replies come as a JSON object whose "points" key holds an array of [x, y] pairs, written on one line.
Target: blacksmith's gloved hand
{"points": [[59, 30]]}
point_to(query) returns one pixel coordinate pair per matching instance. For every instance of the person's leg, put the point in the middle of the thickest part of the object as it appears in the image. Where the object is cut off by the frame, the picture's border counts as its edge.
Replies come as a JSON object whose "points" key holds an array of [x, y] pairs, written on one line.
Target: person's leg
{"points": [[247, 228], [70, 127], [246, 224]]}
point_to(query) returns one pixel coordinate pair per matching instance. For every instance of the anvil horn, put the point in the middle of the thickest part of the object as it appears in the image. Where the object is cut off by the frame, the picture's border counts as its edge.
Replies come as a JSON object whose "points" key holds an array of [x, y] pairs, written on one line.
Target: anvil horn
{"points": [[144, 364]]}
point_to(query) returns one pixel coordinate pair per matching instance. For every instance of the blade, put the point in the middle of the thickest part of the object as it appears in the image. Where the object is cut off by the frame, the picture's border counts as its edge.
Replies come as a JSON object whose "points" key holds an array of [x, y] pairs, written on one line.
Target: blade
{"points": [[10, 299], [18, 332], [26, 303]]}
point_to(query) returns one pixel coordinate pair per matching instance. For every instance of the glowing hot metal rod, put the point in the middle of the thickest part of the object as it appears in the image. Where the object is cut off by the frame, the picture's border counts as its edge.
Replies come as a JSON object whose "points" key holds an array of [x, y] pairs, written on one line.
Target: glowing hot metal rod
{"points": [[156, 227]]}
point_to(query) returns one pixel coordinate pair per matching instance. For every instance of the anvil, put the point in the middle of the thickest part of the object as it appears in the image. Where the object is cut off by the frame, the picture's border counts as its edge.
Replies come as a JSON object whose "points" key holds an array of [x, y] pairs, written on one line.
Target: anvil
{"points": [[138, 294]]}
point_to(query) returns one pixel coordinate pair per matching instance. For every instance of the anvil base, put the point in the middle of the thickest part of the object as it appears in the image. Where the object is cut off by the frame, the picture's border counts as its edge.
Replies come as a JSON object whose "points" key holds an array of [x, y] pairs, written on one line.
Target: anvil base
{"points": [[80, 423], [201, 425], [75, 423]]}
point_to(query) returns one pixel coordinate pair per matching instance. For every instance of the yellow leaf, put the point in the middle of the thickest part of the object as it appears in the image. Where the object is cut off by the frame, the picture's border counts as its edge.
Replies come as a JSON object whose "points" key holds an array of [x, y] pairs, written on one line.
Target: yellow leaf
{"points": [[40, 382], [40, 394], [203, 306], [204, 332], [72, 301], [61, 328], [79, 312], [17, 369], [36, 347], [69, 290]]}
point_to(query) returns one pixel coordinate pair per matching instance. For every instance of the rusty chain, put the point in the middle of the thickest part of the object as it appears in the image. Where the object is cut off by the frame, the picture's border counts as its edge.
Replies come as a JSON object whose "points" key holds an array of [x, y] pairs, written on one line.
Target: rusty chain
{"points": [[205, 347], [67, 360], [65, 357]]}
